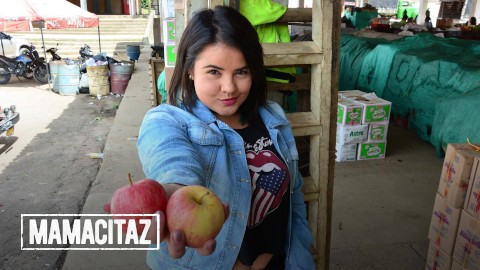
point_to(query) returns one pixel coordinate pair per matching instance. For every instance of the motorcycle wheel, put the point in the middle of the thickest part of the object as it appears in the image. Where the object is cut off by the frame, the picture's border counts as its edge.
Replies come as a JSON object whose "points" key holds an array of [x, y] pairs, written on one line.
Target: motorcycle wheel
{"points": [[4, 75], [29, 74], [40, 74]]}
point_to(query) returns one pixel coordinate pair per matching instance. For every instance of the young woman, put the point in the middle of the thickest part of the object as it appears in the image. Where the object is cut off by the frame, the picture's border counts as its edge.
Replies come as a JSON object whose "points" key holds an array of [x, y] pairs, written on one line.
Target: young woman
{"points": [[218, 131]]}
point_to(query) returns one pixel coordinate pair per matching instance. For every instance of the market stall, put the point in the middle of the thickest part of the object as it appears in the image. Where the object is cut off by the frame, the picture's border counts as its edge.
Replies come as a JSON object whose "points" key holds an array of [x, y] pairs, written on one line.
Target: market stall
{"points": [[432, 82]]}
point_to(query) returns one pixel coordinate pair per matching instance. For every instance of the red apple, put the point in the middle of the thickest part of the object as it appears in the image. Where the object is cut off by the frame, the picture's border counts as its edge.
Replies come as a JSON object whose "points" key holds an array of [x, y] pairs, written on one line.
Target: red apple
{"points": [[196, 211], [145, 196]]}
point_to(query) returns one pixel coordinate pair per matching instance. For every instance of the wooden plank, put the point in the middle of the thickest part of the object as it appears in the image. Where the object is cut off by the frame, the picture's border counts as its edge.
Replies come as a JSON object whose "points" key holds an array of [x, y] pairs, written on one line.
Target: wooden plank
{"points": [[303, 119], [309, 189], [296, 15], [325, 78], [292, 53]]}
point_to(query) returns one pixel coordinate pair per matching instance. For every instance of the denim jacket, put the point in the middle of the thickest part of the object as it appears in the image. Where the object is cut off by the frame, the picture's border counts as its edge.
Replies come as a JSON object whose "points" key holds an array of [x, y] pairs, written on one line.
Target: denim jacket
{"points": [[176, 146]]}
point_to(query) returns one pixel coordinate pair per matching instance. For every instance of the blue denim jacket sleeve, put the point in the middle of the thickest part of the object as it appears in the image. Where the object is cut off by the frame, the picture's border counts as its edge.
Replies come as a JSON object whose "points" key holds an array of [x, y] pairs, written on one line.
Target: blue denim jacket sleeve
{"points": [[301, 240], [168, 147]]}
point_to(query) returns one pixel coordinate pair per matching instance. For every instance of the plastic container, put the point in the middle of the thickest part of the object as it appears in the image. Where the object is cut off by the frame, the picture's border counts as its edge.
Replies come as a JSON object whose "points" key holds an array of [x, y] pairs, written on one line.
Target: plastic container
{"points": [[68, 79], [133, 52], [120, 74], [98, 83], [53, 67]]}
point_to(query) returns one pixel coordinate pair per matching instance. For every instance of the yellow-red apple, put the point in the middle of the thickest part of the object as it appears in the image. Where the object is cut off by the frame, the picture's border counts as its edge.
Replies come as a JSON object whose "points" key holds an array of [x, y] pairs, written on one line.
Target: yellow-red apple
{"points": [[196, 211]]}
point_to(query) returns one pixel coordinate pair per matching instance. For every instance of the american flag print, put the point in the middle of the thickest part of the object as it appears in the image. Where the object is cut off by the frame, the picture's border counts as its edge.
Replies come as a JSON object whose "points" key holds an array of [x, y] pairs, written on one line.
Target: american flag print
{"points": [[270, 180]]}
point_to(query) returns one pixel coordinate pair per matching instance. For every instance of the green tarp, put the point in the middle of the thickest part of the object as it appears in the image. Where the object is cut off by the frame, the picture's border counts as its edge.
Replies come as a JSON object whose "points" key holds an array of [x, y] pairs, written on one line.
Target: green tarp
{"points": [[427, 79]]}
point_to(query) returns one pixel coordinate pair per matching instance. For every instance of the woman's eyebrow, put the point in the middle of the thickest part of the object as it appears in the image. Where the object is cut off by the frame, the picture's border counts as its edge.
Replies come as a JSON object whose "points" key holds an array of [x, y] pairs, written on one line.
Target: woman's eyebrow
{"points": [[217, 67], [213, 66]]}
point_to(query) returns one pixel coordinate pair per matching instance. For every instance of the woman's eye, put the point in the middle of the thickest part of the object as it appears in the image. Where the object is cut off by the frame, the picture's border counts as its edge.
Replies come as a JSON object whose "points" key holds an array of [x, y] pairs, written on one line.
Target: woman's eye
{"points": [[213, 72], [243, 72]]}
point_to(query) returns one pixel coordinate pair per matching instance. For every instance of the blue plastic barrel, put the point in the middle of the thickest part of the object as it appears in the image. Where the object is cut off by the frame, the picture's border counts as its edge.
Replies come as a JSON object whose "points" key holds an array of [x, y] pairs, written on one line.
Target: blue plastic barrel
{"points": [[133, 52], [53, 66], [68, 79]]}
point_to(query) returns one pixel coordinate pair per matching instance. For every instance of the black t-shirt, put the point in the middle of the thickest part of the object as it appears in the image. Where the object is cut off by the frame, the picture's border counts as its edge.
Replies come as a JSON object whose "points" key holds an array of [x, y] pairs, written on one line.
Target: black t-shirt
{"points": [[268, 217]]}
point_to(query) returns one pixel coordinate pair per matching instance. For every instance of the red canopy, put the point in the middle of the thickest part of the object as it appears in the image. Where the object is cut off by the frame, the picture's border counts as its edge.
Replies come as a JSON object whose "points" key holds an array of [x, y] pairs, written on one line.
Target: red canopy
{"points": [[17, 15]]}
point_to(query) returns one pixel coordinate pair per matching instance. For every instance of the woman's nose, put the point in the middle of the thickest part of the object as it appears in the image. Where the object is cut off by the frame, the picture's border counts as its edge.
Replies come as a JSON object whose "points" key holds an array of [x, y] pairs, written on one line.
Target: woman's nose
{"points": [[228, 85]]}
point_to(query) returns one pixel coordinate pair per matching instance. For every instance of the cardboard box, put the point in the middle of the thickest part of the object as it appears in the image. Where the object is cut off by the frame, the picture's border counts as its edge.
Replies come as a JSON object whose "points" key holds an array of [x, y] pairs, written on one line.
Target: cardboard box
{"points": [[375, 109], [346, 152], [169, 31], [437, 259], [350, 93], [467, 244], [455, 177], [472, 199], [452, 148], [352, 134], [348, 112], [444, 225], [377, 132], [371, 150]]}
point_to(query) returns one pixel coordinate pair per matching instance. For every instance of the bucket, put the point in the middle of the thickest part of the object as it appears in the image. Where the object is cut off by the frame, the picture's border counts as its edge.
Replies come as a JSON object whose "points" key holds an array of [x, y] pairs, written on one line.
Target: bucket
{"points": [[53, 67], [68, 79], [120, 74], [133, 51], [98, 80]]}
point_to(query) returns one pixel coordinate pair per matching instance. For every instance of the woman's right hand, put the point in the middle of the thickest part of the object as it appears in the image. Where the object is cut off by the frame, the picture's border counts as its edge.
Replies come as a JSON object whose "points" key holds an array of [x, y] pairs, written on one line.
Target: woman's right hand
{"points": [[176, 239]]}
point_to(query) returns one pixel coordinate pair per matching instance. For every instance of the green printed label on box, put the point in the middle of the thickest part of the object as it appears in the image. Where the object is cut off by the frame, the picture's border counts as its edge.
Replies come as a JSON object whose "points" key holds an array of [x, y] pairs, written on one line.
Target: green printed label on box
{"points": [[171, 55], [349, 116], [371, 150], [171, 31], [377, 132], [377, 113], [349, 113]]}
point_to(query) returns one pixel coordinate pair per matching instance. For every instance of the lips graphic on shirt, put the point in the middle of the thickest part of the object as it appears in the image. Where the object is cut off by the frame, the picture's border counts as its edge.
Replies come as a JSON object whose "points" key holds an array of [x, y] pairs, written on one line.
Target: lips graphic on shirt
{"points": [[270, 180]]}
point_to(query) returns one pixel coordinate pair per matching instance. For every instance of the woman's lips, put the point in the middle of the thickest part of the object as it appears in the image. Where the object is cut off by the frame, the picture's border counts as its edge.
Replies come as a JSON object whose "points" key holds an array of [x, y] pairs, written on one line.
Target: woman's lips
{"points": [[228, 101]]}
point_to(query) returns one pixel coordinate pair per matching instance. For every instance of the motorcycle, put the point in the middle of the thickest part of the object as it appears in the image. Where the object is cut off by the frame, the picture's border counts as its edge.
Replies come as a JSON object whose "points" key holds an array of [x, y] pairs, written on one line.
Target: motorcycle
{"points": [[28, 65], [38, 65], [53, 52], [8, 118]]}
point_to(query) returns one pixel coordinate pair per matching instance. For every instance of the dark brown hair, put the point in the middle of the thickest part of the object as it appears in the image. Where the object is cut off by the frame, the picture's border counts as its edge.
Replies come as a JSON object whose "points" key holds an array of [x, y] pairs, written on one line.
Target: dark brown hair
{"points": [[220, 25]]}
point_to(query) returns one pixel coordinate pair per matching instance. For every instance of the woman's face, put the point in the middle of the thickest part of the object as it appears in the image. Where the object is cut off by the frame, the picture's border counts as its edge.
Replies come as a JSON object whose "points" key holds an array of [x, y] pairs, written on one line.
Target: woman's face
{"points": [[222, 81]]}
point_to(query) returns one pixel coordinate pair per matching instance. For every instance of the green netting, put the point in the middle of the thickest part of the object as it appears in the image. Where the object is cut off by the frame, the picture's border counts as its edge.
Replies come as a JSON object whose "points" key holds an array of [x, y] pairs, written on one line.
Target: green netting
{"points": [[457, 119], [352, 55], [425, 77]]}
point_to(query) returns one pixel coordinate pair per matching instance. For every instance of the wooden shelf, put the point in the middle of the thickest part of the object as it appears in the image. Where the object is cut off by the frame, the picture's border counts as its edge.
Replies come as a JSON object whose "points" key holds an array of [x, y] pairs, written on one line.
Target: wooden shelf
{"points": [[291, 54], [296, 15], [304, 124]]}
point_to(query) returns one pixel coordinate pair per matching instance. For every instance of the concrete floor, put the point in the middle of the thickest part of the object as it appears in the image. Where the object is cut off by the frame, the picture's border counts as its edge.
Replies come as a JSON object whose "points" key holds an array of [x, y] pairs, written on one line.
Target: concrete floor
{"points": [[382, 208]]}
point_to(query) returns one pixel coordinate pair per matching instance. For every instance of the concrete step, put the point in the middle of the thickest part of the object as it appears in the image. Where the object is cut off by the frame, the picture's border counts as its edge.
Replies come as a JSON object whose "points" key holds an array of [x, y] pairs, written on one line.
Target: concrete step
{"points": [[116, 32]]}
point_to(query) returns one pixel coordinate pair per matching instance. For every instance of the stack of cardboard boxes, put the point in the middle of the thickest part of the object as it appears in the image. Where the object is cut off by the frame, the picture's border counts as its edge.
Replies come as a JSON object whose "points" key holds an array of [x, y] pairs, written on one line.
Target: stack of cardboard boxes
{"points": [[362, 124], [454, 232]]}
